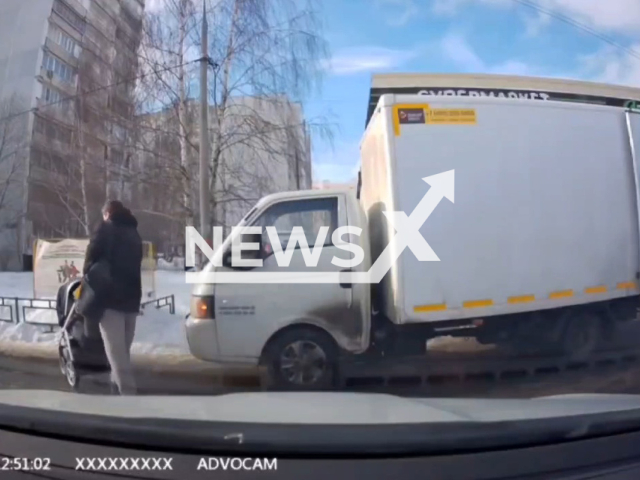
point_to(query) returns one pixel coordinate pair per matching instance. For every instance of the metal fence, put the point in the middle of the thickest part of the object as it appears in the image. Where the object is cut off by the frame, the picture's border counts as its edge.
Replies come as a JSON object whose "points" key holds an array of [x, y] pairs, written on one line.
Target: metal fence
{"points": [[17, 309], [10, 303], [167, 301], [22, 304]]}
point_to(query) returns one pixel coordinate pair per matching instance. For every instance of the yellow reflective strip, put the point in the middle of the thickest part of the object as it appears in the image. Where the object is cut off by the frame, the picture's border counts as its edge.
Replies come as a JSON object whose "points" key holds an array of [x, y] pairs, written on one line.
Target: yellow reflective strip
{"points": [[561, 294], [430, 308], [522, 299], [593, 290], [477, 303], [628, 286]]}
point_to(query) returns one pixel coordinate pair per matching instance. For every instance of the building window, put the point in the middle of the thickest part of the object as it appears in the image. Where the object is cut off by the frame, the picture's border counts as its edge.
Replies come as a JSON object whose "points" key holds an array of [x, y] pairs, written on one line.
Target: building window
{"points": [[52, 98], [65, 41], [51, 95], [116, 157], [59, 68]]}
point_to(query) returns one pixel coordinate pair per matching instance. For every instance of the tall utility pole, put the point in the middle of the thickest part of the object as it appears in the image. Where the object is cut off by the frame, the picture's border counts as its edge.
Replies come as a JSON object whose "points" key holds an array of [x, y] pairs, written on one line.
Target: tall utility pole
{"points": [[205, 228]]}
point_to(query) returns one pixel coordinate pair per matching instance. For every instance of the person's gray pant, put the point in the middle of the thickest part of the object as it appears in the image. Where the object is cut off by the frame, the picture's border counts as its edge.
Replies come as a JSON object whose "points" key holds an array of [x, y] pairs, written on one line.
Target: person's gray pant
{"points": [[118, 329]]}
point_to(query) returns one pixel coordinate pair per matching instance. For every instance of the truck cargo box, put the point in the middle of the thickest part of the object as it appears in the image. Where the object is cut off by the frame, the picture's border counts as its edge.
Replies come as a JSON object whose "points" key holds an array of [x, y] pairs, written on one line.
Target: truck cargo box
{"points": [[545, 212]]}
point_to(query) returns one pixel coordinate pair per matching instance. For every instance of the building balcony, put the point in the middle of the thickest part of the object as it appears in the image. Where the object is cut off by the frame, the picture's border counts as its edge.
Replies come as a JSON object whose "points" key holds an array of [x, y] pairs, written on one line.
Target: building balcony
{"points": [[72, 12], [77, 6], [109, 6], [56, 20], [69, 88], [63, 112], [45, 142], [45, 177], [60, 52]]}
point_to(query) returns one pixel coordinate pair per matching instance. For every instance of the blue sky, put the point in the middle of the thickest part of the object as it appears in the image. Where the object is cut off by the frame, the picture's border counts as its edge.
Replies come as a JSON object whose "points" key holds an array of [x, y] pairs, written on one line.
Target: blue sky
{"points": [[459, 36]]}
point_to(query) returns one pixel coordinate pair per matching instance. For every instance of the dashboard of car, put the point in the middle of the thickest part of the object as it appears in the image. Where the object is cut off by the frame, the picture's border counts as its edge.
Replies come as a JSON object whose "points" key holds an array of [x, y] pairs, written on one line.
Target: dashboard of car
{"points": [[22, 455]]}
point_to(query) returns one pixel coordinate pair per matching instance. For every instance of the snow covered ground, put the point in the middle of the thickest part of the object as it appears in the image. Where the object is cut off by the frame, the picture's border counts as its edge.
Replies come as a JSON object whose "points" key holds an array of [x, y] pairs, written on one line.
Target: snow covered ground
{"points": [[157, 331]]}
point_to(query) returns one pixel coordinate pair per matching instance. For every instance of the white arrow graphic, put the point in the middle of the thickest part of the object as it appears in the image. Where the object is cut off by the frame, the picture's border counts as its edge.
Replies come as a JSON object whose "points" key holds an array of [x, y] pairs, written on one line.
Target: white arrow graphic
{"points": [[408, 228], [407, 235]]}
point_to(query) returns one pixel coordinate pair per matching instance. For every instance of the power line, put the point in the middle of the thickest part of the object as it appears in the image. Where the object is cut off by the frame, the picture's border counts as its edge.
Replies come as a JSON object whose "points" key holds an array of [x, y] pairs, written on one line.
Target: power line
{"points": [[579, 25], [95, 90]]}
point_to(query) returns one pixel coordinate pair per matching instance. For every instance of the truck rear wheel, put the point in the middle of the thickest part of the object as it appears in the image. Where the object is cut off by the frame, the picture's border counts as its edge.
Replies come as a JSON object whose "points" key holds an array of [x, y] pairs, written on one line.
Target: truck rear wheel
{"points": [[303, 358], [582, 334]]}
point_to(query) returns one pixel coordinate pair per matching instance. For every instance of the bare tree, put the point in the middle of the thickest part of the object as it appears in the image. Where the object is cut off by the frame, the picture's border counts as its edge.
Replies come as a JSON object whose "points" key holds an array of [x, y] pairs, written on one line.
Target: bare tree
{"points": [[78, 174], [265, 58], [13, 149], [167, 65], [269, 55], [12, 145]]}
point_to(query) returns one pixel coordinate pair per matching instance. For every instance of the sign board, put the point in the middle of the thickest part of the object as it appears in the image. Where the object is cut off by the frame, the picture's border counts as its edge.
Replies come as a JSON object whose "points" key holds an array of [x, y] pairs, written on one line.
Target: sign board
{"points": [[531, 94], [56, 262]]}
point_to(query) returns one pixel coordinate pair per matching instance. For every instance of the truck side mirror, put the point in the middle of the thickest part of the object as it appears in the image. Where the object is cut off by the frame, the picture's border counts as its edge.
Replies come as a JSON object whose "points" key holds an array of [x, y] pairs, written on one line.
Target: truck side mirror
{"points": [[226, 259]]}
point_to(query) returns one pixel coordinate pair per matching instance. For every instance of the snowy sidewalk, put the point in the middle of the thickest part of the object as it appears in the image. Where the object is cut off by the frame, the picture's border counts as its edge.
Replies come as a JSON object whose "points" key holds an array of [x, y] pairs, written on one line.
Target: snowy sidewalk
{"points": [[158, 333]]}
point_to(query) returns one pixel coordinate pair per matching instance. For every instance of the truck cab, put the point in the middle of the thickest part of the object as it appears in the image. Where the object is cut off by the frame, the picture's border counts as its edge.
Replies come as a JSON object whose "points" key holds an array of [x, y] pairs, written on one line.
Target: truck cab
{"points": [[287, 326]]}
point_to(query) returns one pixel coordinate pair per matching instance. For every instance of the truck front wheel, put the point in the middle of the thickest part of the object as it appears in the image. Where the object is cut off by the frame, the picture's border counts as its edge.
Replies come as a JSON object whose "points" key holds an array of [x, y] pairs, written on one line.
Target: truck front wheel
{"points": [[302, 358]]}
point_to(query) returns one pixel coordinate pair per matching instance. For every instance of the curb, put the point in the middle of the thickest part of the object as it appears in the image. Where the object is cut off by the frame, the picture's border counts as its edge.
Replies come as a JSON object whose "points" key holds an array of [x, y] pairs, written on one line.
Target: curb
{"points": [[179, 365]]}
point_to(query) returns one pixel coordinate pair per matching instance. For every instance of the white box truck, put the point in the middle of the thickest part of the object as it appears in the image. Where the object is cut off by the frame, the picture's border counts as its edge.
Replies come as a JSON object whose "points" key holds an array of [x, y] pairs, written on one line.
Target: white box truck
{"points": [[538, 242]]}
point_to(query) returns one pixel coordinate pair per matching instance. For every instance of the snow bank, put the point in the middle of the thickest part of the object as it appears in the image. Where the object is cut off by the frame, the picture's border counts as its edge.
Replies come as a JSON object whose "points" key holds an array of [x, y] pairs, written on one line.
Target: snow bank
{"points": [[173, 283], [176, 264], [25, 333], [157, 331]]}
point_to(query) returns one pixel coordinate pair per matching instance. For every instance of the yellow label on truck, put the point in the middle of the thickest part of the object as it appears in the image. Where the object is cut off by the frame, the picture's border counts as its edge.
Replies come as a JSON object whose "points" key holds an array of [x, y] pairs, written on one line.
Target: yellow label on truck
{"points": [[422, 114], [451, 116]]}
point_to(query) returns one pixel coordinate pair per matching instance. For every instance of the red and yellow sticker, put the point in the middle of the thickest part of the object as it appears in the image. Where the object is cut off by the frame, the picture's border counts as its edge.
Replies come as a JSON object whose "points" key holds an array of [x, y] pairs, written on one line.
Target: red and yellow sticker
{"points": [[423, 114]]}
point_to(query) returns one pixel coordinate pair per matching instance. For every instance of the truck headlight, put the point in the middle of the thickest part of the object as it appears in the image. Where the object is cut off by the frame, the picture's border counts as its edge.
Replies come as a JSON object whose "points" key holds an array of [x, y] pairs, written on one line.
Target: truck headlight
{"points": [[202, 306]]}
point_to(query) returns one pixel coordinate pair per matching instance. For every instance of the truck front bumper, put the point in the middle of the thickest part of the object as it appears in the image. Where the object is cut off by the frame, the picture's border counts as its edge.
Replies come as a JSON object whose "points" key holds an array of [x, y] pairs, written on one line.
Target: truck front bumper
{"points": [[203, 339]]}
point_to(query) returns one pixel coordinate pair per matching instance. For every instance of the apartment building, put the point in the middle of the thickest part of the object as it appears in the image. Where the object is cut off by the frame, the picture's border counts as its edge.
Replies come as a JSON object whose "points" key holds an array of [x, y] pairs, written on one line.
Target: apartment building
{"points": [[72, 65], [265, 148]]}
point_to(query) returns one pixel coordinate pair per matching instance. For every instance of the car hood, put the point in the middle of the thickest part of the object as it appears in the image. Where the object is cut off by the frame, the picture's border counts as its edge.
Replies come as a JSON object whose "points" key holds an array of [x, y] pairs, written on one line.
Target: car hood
{"points": [[319, 408]]}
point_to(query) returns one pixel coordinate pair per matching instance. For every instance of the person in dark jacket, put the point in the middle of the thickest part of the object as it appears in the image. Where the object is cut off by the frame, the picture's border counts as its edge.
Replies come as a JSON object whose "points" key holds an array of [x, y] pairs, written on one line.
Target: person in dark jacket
{"points": [[117, 240]]}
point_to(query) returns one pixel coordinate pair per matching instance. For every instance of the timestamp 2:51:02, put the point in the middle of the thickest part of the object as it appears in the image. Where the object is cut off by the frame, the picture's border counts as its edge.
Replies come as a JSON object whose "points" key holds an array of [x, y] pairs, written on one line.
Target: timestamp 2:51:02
{"points": [[24, 464]]}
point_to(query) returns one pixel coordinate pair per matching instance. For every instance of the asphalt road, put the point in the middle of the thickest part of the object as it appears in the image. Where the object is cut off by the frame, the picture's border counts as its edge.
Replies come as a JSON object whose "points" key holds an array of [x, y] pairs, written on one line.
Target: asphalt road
{"points": [[37, 373], [25, 373]]}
